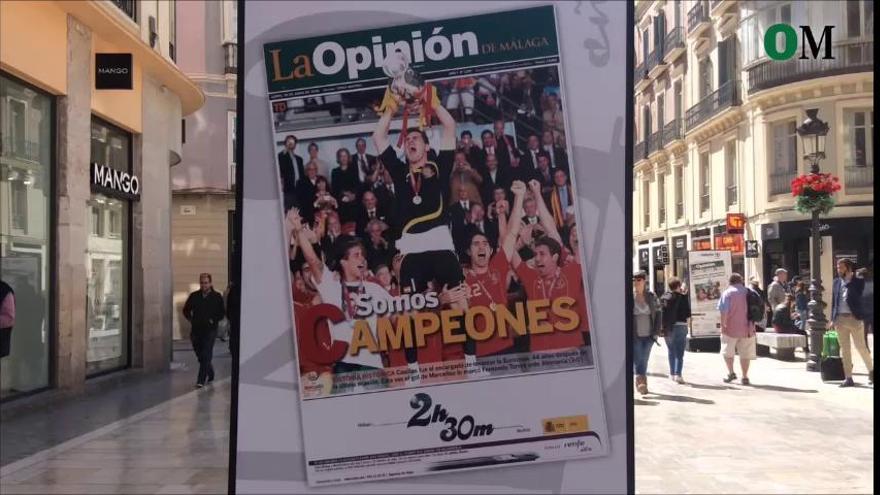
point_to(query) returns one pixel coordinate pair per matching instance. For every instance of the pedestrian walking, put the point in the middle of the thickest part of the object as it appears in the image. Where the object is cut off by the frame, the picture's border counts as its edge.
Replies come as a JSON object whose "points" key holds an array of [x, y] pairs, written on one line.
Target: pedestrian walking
{"points": [[676, 312], [867, 301], [847, 316], [755, 285], [776, 291], [739, 307], [204, 310], [646, 327], [7, 318]]}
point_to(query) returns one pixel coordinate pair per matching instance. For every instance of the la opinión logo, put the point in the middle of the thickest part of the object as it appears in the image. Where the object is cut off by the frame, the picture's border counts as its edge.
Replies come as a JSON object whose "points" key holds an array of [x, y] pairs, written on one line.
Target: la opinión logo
{"points": [[790, 44]]}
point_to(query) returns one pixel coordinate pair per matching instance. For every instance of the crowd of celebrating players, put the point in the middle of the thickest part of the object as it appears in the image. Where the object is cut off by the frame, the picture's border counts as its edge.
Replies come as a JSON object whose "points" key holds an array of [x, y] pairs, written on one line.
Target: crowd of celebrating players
{"points": [[480, 220]]}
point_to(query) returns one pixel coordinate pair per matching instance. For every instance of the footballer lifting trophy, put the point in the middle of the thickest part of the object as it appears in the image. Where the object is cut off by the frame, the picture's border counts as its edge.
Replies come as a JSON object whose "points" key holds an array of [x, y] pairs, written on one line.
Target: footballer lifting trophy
{"points": [[407, 86]]}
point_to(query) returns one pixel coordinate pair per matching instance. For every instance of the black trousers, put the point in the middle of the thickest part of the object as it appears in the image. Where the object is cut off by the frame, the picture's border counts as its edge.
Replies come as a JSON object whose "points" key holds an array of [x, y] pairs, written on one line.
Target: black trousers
{"points": [[203, 345]]}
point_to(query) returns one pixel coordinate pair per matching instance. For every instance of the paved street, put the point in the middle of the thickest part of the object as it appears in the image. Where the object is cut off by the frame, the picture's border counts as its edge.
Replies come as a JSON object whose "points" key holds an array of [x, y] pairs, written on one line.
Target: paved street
{"points": [[786, 433]]}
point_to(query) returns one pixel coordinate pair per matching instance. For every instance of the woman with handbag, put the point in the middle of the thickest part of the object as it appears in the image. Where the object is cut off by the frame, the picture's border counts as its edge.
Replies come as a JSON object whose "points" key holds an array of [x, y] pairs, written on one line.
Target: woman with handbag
{"points": [[646, 326]]}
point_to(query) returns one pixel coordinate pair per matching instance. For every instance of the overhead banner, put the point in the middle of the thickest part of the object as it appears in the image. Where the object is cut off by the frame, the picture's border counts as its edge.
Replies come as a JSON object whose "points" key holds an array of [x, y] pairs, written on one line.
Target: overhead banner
{"points": [[709, 274], [428, 204]]}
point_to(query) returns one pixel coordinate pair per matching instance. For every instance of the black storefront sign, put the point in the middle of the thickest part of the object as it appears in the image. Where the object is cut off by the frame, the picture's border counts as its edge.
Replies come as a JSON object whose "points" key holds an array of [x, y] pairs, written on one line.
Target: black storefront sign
{"points": [[113, 71], [679, 247], [644, 259], [114, 182], [752, 249], [661, 255], [770, 231]]}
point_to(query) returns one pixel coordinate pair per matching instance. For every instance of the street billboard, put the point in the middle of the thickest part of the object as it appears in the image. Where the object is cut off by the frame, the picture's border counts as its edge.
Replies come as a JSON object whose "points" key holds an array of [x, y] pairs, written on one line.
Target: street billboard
{"points": [[709, 274], [428, 204]]}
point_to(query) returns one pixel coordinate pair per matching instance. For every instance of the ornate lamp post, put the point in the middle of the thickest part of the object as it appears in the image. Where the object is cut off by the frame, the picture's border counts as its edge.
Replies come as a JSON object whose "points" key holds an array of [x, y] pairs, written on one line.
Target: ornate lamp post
{"points": [[812, 133]]}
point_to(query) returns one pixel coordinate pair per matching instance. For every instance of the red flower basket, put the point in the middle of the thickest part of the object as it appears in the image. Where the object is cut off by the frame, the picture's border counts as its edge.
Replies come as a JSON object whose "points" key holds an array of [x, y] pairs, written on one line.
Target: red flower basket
{"points": [[814, 192]]}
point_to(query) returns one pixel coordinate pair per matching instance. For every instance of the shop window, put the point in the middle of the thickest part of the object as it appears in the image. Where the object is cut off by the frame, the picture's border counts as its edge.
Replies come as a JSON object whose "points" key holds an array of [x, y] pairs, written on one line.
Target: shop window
{"points": [[730, 172], [26, 135], [231, 147], [661, 197], [679, 192], [785, 157], [107, 259], [705, 182]]}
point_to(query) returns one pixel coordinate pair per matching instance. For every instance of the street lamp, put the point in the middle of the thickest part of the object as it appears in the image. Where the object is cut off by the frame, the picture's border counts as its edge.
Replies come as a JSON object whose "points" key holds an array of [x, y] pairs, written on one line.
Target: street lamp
{"points": [[812, 133]]}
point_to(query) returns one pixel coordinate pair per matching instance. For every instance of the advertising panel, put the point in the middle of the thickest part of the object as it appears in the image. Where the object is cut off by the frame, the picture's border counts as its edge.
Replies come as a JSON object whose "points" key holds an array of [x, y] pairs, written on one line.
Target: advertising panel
{"points": [[709, 275], [429, 197]]}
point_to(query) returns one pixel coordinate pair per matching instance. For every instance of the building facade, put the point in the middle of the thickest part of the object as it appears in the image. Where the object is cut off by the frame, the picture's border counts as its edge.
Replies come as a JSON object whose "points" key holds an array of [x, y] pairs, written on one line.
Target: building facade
{"points": [[85, 188], [203, 185], [715, 122]]}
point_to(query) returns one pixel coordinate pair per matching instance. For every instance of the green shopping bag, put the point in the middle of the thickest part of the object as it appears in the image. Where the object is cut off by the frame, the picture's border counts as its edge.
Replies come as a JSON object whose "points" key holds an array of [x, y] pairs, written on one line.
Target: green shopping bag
{"points": [[830, 344]]}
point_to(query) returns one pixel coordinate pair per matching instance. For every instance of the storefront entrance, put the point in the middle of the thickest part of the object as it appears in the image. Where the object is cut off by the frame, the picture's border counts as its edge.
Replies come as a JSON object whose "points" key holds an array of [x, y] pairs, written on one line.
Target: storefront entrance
{"points": [[108, 264]]}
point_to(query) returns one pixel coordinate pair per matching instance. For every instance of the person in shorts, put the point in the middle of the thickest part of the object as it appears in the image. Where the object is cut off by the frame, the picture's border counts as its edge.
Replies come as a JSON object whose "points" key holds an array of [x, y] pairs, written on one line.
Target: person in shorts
{"points": [[737, 332]]}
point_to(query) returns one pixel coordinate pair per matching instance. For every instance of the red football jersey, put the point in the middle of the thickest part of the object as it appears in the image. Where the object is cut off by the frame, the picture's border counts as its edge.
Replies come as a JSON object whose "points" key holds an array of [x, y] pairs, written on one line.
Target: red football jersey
{"points": [[566, 283], [490, 290]]}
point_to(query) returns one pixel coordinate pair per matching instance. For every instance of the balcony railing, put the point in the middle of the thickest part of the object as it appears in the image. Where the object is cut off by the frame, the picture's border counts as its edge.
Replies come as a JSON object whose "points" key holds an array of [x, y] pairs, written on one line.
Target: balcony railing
{"points": [[674, 39], [127, 6], [231, 55], [724, 97], [859, 176], [641, 151], [672, 131], [848, 58], [679, 210], [780, 182], [661, 213], [656, 142], [699, 13], [639, 73], [655, 58]]}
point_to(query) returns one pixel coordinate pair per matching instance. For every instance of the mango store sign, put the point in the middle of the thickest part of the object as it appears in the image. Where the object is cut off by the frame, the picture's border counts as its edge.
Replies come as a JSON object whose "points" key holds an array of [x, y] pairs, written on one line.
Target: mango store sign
{"points": [[116, 183]]}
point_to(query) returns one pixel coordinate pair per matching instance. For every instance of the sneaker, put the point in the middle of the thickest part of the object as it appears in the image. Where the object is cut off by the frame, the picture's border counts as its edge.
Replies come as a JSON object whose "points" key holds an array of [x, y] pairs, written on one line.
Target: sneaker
{"points": [[679, 380], [745, 381], [200, 385], [730, 377], [848, 383]]}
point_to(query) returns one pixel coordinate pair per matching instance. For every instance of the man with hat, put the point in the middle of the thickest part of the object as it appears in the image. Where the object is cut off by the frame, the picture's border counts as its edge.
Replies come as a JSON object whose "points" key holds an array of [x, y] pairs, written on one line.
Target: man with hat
{"points": [[777, 291]]}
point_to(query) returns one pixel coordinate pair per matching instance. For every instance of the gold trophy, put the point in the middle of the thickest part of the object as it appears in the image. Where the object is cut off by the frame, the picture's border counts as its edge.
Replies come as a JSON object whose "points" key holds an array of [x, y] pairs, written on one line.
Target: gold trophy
{"points": [[408, 86]]}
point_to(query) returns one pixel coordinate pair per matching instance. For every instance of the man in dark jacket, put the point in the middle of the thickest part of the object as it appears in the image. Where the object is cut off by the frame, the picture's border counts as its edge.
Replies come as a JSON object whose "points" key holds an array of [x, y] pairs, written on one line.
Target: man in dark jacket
{"points": [[204, 310], [847, 317], [290, 167]]}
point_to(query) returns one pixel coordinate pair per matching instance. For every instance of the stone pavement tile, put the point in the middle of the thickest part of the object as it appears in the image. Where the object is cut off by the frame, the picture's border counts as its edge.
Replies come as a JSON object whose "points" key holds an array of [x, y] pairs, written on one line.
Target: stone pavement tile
{"points": [[788, 433], [80, 489]]}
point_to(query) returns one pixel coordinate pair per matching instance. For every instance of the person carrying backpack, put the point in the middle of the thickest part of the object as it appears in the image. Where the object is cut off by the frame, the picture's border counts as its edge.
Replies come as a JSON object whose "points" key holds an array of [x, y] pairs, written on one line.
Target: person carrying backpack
{"points": [[676, 311], [740, 308]]}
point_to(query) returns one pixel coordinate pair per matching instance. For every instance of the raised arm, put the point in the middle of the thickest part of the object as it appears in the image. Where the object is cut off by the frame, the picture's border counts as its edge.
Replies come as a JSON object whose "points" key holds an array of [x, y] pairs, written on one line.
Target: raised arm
{"points": [[305, 244], [499, 212], [380, 135], [515, 223], [544, 214], [445, 118]]}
